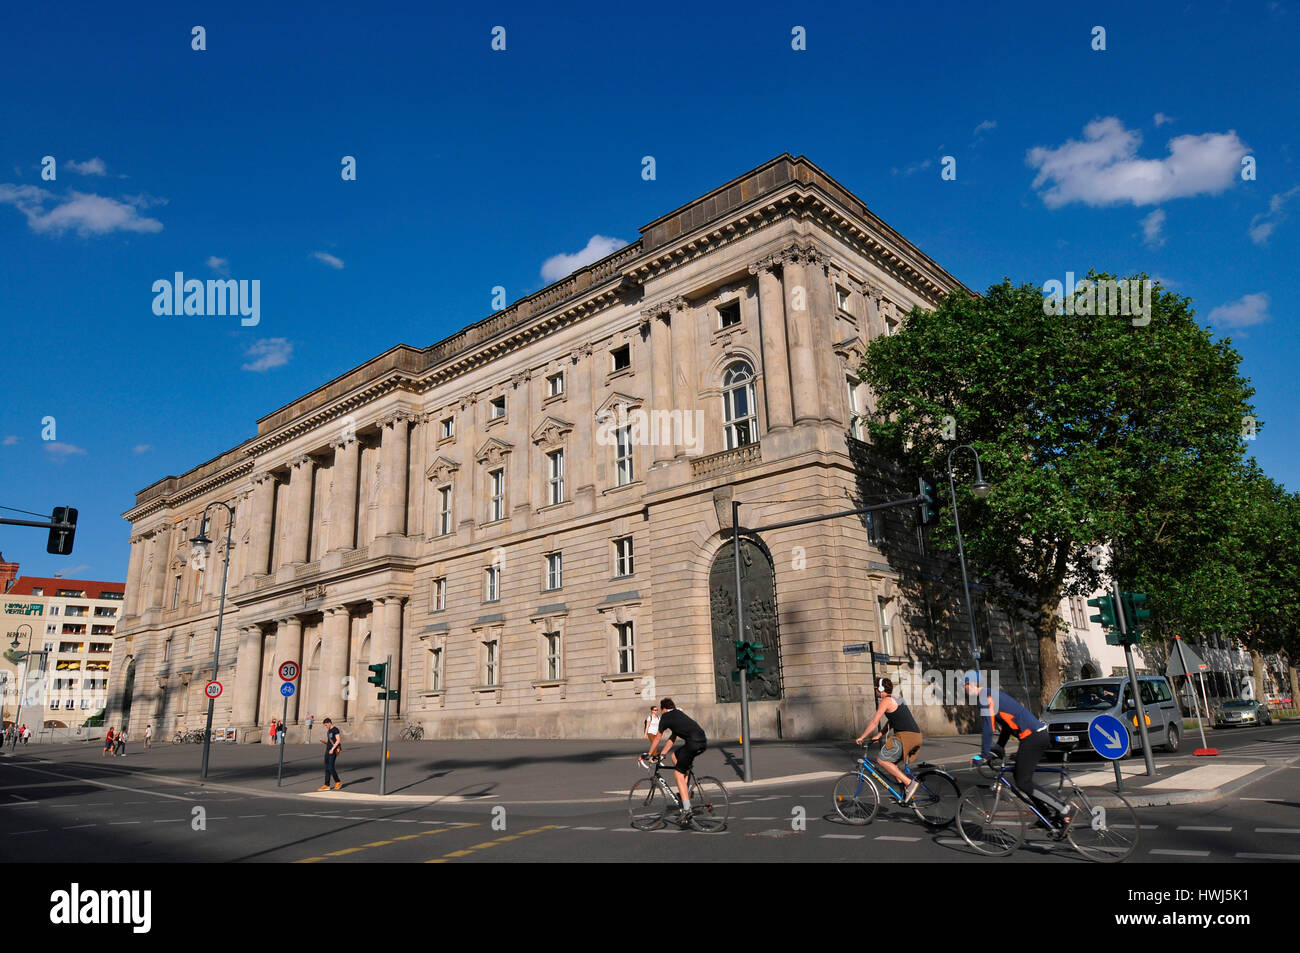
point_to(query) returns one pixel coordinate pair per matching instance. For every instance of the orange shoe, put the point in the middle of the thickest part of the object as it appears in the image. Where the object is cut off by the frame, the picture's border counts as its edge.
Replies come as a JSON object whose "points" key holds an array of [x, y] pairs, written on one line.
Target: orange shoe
{"points": [[337, 785], [323, 787]]}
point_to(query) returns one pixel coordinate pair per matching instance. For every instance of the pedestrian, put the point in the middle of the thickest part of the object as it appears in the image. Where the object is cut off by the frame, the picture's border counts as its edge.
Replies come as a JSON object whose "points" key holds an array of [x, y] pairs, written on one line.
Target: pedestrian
{"points": [[148, 737], [311, 720], [271, 734], [108, 742], [333, 745], [120, 743], [282, 732], [27, 734]]}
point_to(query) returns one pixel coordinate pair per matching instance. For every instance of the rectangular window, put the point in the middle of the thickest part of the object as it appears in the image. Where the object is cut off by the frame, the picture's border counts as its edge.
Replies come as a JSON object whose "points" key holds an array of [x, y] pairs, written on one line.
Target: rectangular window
{"points": [[554, 571], [438, 597], [498, 407], [623, 556], [176, 594], [855, 412], [497, 478], [54, 703], [490, 663], [85, 703], [623, 458], [444, 510], [492, 584], [54, 610], [103, 611], [167, 650], [874, 527], [198, 585], [729, 314], [189, 646], [886, 624], [555, 479], [555, 385], [435, 670], [69, 704], [552, 655], [841, 298], [448, 428], [110, 595], [626, 647], [622, 357], [51, 628]]}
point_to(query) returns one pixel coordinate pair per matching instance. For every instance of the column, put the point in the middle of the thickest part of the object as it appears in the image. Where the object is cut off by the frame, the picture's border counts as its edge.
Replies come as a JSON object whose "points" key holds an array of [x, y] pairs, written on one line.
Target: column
{"points": [[821, 299], [301, 474], [803, 368], [395, 431], [387, 640], [685, 384], [260, 539], [661, 389], [132, 605], [158, 578], [248, 676], [343, 498], [288, 648], [334, 664], [582, 468], [776, 368]]}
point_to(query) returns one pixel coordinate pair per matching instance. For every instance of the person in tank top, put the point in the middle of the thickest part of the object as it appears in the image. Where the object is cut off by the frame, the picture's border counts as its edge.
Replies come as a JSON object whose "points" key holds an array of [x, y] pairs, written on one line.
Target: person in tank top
{"points": [[899, 718]]}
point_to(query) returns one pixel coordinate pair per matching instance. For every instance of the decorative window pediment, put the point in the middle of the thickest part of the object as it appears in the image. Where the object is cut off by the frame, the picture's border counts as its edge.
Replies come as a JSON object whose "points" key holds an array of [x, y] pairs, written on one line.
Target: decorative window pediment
{"points": [[609, 406], [852, 350], [551, 430], [493, 451], [442, 469]]}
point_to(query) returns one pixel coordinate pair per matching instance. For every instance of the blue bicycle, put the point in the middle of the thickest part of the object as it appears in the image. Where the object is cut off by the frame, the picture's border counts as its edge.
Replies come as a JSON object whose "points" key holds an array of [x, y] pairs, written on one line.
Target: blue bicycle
{"points": [[857, 794]]}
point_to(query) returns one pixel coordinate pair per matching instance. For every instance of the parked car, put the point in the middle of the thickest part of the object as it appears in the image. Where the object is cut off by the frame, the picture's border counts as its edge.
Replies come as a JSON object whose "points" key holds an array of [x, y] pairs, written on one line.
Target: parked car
{"points": [[1070, 712], [1242, 712]]}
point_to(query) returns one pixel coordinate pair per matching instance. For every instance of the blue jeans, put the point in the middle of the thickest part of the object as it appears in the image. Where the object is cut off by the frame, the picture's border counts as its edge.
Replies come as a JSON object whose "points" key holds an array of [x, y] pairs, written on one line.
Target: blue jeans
{"points": [[329, 768]]}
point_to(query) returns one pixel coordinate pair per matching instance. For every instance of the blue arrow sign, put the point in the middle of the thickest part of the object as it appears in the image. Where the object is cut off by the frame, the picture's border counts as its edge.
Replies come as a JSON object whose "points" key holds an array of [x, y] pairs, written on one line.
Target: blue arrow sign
{"points": [[286, 689], [1109, 737]]}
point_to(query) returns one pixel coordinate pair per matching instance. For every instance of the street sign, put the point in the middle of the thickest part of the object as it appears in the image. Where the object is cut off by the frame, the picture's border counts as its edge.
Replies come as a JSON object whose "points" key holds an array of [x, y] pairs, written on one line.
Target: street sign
{"points": [[1109, 737], [286, 689], [289, 671], [881, 657], [857, 648], [212, 689]]}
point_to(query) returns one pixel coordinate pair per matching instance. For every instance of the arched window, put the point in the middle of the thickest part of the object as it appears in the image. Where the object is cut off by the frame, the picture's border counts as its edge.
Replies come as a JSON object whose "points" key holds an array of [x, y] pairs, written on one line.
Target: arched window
{"points": [[738, 414]]}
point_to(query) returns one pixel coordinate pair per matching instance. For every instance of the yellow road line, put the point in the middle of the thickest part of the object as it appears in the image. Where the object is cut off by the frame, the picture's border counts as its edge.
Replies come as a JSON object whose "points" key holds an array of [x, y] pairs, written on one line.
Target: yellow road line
{"points": [[382, 843], [492, 843]]}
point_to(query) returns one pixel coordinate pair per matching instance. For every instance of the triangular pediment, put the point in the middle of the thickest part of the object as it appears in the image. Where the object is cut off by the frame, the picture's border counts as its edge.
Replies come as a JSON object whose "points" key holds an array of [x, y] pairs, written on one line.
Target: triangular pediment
{"points": [[441, 469], [550, 430], [492, 450], [611, 404], [851, 349]]}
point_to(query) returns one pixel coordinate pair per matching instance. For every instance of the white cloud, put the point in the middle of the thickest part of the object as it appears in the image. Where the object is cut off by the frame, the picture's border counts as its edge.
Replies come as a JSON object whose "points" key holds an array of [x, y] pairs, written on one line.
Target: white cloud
{"points": [[1151, 226], [1104, 169], [61, 451], [1242, 313], [560, 266], [328, 259], [89, 167], [1163, 120], [220, 265], [268, 353], [73, 572], [10, 440], [988, 125], [1263, 224], [142, 448], [914, 167], [85, 213]]}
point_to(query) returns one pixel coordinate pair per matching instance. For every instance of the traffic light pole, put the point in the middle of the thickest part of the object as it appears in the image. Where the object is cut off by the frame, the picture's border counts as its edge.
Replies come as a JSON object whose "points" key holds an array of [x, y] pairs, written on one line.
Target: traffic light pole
{"points": [[748, 774], [1134, 686], [383, 764]]}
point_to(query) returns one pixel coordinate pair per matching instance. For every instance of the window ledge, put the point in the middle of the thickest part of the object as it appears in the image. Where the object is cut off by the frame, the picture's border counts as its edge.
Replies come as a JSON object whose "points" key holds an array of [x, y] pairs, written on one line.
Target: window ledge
{"points": [[442, 440], [550, 683], [620, 373], [555, 398], [554, 506], [621, 677], [485, 689], [432, 693], [625, 486]]}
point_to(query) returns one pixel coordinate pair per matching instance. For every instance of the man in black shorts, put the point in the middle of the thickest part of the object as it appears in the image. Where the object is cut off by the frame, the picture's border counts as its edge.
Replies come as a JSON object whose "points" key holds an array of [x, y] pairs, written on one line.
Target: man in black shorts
{"points": [[693, 742]]}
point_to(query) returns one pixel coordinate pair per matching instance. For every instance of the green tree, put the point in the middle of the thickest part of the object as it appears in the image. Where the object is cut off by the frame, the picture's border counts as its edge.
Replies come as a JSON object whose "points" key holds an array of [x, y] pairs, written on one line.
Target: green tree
{"points": [[1091, 428]]}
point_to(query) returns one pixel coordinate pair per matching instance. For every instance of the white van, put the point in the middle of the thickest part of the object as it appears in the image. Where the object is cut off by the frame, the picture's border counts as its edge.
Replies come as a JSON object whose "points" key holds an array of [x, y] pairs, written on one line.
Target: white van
{"points": [[1075, 704]]}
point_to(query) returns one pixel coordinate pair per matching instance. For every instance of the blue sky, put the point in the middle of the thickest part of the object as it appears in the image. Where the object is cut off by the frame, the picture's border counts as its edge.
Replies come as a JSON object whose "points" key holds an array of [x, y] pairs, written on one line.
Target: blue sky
{"points": [[476, 167]]}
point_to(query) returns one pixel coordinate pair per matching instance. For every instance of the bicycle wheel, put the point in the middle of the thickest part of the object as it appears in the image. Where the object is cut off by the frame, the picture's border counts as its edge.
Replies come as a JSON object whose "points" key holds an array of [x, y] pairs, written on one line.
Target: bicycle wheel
{"points": [[936, 799], [405, 735], [646, 804], [856, 798], [1103, 834], [709, 805], [991, 821], [418, 733]]}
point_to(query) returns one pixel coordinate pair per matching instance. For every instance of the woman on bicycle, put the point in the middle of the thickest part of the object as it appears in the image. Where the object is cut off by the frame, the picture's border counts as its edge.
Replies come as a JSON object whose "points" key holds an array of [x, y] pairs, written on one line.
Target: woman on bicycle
{"points": [[905, 730]]}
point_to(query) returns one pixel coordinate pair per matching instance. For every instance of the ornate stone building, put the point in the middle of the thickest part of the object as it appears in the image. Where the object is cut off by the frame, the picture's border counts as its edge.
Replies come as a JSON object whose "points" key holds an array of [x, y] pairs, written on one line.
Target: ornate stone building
{"points": [[532, 516]]}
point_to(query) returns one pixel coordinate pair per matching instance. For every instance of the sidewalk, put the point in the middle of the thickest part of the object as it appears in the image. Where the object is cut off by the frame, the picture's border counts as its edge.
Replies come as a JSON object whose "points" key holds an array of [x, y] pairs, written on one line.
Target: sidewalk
{"points": [[524, 772]]}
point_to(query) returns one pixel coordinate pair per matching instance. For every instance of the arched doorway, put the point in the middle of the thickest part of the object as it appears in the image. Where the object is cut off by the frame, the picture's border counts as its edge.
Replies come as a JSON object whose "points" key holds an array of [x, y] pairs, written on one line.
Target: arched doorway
{"points": [[758, 588]]}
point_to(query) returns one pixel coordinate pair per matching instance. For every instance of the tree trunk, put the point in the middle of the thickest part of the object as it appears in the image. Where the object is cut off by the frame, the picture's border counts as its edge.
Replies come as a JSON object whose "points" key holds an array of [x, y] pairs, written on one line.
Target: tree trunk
{"points": [[1257, 669], [1049, 659], [1295, 687]]}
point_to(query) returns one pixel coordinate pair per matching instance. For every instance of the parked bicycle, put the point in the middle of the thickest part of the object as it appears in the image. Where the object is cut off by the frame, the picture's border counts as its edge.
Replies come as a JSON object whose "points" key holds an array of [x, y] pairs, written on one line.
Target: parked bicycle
{"points": [[856, 795], [993, 819], [188, 737], [652, 799], [412, 732]]}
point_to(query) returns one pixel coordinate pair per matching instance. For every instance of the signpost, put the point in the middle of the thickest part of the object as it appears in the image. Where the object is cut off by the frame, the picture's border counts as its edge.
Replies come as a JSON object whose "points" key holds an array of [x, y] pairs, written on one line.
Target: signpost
{"points": [[212, 690], [1110, 739], [1205, 750], [288, 672]]}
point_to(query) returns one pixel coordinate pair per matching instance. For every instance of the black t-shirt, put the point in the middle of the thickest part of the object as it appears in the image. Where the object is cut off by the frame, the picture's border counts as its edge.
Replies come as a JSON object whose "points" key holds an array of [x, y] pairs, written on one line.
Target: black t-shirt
{"points": [[331, 737], [682, 727]]}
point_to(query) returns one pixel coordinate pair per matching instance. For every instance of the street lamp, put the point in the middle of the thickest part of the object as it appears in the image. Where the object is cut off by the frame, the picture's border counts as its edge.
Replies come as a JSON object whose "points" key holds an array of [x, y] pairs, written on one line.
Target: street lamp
{"points": [[981, 489], [25, 656], [201, 544]]}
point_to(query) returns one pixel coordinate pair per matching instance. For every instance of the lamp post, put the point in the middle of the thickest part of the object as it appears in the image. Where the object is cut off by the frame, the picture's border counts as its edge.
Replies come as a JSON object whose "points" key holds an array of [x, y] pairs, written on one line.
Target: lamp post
{"points": [[26, 657], [981, 488], [201, 544]]}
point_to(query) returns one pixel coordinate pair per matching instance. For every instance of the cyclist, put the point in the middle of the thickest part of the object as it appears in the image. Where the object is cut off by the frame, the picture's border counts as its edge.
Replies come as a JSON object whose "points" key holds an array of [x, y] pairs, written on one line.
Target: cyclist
{"points": [[1012, 718], [905, 729], [693, 742]]}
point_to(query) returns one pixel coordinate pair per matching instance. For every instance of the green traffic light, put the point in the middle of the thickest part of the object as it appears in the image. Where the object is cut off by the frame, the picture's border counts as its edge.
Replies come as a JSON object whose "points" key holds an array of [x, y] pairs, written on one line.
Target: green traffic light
{"points": [[926, 509], [1105, 606], [380, 676]]}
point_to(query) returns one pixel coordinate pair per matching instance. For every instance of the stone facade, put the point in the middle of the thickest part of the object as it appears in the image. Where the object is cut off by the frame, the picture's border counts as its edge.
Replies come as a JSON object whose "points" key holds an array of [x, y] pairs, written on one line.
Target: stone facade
{"points": [[414, 506]]}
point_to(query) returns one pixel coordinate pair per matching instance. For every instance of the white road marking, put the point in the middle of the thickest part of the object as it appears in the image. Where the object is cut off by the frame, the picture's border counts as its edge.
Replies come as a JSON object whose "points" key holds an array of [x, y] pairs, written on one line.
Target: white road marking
{"points": [[1274, 800], [588, 828], [251, 815], [77, 827], [1129, 827], [905, 840], [105, 784], [39, 830], [1277, 830], [623, 830], [1194, 827], [1269, 856], [1182, 853], [169, 820], [843, 836], [1205, 777], [120, 823]]}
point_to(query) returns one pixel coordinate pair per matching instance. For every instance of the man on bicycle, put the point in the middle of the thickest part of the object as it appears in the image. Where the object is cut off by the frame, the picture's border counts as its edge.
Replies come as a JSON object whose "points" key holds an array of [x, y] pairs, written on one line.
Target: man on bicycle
{"points": [[1012, 718], [693, 742]]}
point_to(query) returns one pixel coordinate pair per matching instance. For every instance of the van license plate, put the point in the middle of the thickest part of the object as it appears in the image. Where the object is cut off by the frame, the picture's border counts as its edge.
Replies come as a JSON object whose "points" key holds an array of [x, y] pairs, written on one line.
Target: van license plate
{"points": [[1067, 737]]}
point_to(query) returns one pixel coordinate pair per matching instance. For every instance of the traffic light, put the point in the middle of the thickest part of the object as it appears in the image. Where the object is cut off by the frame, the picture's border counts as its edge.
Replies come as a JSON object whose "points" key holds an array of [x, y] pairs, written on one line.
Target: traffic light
{"points": [[926, 511], [1105, 606], [379, 674], [755, 656], [748, 655], [1134, 615], [60, 542]]}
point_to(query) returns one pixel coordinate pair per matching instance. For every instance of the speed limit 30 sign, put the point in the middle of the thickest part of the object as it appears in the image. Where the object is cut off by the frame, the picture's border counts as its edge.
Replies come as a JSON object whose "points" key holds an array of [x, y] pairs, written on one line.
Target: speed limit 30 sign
{"points": [[212, 689], [288, 671]]}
